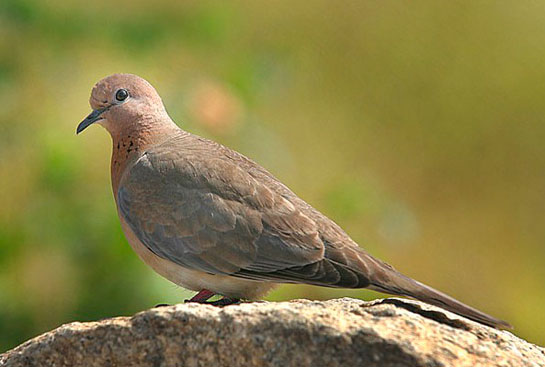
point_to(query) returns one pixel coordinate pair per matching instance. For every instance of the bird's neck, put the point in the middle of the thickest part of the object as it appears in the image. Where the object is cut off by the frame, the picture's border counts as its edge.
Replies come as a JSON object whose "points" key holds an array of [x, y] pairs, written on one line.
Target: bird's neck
{"points": [[130, 144]]}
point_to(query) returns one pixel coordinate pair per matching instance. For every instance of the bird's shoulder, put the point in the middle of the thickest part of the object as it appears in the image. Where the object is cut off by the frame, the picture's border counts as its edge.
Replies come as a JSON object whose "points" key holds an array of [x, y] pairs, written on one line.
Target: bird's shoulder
{"points": [[192, 162]]}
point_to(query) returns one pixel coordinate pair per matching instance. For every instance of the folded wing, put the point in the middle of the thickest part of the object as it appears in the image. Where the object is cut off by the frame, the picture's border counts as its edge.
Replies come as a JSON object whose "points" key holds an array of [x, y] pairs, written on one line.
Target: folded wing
{"points": [[208, 214]]}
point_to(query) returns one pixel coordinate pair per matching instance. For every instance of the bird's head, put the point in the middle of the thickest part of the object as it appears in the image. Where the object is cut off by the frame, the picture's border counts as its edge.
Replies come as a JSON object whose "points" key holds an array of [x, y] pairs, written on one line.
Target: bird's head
{"points": [[123, 102]]}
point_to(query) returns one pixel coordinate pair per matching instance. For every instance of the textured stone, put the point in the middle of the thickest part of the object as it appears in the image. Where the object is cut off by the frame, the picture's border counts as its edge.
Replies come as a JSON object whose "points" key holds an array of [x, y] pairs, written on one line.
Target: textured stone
{"points": [[342, 332]]}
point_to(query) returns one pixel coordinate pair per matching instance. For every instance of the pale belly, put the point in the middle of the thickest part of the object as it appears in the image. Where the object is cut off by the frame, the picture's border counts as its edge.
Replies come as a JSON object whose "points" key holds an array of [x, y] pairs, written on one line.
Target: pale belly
{"points": [[196, 280]]}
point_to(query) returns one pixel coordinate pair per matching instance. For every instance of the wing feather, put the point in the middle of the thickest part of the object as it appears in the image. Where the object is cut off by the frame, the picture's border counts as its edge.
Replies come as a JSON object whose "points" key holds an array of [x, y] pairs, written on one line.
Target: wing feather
{"points": [[208, 208], [210, 215]]}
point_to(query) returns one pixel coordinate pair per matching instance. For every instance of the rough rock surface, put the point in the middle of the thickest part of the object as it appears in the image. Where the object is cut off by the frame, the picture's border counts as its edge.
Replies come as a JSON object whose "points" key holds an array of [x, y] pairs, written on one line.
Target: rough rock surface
{"points": [[342, 332]]}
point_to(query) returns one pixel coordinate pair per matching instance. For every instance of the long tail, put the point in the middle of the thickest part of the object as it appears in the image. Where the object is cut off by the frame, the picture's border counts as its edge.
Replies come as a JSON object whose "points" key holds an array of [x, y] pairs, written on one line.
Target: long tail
{"points": [[389, 280]]}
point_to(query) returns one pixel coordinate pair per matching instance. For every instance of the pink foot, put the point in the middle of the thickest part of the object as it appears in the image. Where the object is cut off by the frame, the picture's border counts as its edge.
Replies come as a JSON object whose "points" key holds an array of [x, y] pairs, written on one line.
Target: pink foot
{"points": [[201, 297]]}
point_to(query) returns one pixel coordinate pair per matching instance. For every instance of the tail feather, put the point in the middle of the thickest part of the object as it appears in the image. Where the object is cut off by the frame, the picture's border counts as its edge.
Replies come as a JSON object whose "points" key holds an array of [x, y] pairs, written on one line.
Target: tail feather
{"points": [[393, 282]]}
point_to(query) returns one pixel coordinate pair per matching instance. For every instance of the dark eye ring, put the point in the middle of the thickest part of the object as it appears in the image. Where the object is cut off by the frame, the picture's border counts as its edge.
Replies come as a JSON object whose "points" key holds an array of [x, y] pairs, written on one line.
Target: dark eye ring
{"points": [[121, 95]]}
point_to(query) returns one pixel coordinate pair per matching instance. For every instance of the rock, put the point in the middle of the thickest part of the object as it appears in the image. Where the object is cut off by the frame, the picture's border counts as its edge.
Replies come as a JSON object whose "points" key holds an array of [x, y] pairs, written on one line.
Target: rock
{"points": [[342, 332]]}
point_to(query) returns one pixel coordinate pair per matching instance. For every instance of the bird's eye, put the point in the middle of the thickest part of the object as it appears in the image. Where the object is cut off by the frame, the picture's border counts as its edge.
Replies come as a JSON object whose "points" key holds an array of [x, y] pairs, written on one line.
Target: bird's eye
{"points": [[121, 95]]}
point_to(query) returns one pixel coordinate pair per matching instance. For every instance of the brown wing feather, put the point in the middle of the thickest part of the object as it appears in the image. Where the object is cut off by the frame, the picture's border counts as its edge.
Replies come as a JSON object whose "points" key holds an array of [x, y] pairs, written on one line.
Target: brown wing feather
{"points": [[209, 214]]}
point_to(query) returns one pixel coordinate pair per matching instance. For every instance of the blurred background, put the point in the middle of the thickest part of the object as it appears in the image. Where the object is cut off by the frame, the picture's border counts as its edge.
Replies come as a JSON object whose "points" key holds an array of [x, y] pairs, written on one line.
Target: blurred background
{"points": [[418, 127]]}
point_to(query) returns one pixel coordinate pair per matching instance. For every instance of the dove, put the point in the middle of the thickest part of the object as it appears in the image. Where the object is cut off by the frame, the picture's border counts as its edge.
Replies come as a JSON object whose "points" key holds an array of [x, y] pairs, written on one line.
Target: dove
{"points": [[213, 221]]}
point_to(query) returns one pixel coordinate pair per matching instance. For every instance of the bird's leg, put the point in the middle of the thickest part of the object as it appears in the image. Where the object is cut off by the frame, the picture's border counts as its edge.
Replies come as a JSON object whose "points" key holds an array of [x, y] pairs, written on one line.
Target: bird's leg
{"points": [[224, 302], [201, 297], [204, 295]]}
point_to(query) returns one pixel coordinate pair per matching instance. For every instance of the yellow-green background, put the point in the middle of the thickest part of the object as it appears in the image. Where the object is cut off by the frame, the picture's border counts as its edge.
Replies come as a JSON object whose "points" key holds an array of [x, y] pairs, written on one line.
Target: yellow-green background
{"points": [[418, 126]]}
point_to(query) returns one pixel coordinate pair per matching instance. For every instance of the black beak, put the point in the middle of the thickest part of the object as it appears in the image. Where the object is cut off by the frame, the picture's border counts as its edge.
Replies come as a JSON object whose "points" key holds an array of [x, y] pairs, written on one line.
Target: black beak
{"points": [[93, 117]]}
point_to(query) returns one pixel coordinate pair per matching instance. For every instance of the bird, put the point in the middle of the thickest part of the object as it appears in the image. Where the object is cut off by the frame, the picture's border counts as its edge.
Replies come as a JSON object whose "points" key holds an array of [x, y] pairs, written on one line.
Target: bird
{"points": [[211, 220]]}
